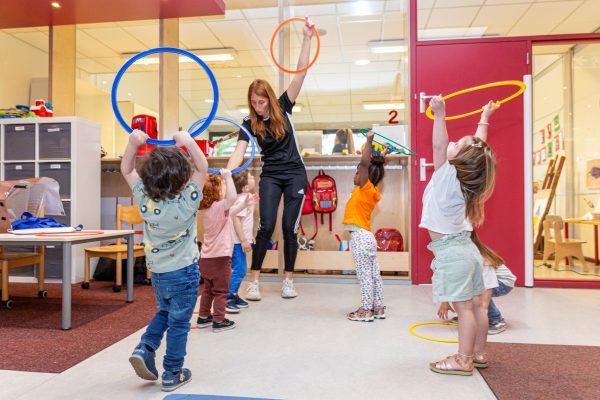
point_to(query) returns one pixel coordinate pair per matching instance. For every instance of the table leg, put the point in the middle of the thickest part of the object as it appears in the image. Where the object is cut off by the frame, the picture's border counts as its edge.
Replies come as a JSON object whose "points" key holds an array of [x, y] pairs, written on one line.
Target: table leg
{"points": [[66, 286], [566, 237], [130, 262], [596, 244]]}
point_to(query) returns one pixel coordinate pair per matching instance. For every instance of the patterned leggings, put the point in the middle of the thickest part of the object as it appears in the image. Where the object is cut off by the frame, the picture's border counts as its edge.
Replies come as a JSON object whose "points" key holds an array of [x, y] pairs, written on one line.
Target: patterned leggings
{"points": [[364, 251]]}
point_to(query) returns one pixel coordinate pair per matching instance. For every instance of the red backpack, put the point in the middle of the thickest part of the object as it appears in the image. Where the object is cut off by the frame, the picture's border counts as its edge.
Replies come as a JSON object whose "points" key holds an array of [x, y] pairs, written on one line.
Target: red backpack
{"points": [[389, 239], [324, 195], [307, 208]]}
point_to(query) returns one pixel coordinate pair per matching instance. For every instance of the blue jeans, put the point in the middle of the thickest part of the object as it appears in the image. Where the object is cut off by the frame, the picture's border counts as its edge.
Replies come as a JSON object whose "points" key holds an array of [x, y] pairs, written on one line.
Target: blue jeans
{"points": [[494, 314], [239, 266], [176, 293]]}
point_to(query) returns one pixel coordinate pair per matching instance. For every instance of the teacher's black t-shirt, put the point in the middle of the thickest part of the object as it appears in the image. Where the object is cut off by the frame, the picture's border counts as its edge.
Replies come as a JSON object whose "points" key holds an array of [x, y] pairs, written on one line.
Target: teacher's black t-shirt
{"points": [[278, 156]]}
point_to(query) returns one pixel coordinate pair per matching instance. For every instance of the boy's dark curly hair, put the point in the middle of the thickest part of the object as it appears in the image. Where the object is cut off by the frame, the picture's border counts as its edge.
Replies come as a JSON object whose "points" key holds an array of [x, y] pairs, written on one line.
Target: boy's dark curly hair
{"points": [[165, 172], [376, 170], [240, 180], [211, 191]]}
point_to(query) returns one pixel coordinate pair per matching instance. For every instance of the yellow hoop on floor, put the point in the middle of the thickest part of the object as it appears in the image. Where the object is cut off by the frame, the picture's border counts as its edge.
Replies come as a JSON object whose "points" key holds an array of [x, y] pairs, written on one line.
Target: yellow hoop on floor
{"points": [[520, 84], [412, 331]]}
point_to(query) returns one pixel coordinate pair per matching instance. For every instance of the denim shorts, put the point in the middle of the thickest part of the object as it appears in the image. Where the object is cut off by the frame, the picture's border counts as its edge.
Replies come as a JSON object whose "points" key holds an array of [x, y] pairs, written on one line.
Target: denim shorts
{"points": [[457, 268]]}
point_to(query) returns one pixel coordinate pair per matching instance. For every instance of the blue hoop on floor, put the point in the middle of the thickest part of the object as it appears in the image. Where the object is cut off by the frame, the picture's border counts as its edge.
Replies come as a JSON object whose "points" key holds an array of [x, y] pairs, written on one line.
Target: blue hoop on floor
{"points": [[250, 138], [213, 81]]}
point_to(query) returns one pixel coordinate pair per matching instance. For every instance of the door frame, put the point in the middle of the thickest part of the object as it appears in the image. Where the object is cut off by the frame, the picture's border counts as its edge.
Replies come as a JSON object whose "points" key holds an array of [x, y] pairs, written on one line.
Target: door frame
{"points": [[528, 141]]}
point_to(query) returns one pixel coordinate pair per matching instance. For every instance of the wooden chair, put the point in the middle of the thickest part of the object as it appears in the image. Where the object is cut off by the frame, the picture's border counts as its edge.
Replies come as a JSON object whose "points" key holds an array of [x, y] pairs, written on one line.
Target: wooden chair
{"points": [[10, 260], [555, 243], [118, 251]]}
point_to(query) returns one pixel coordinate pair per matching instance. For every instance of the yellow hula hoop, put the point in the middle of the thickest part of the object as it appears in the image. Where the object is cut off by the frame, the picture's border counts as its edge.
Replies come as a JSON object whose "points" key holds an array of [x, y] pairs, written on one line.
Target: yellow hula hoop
{"points": [[520, 84], [412, 331]]}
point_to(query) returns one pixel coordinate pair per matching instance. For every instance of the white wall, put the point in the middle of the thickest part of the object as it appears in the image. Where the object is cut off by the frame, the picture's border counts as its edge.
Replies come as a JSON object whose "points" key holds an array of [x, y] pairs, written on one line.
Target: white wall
{"points": [[19, 64]]}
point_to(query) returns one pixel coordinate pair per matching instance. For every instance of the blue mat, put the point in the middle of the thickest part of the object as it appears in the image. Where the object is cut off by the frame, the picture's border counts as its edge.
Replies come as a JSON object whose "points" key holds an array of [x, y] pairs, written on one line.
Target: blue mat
{"points": [[208, 397]]}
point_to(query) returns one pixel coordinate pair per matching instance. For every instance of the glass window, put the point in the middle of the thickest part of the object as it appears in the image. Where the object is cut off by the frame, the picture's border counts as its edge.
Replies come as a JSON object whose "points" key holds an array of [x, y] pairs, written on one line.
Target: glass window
{"points": [[455, 19], [566, 103], [24, 78]]}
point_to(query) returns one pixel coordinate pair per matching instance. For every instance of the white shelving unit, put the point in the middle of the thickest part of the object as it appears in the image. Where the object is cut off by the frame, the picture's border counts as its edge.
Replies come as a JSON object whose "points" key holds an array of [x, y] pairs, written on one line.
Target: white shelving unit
{"points": [[66, 149]]}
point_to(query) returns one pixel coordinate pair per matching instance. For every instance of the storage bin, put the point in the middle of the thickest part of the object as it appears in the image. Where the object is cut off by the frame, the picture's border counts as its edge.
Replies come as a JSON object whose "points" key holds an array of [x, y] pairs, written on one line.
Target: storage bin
{"points": [[61, 172], [19, 171], [55, 141], [19, 142]]}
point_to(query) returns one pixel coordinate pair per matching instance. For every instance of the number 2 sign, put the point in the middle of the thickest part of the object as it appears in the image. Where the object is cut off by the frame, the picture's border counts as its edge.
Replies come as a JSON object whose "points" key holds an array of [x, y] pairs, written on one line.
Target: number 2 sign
{"points": [[393, 117]]}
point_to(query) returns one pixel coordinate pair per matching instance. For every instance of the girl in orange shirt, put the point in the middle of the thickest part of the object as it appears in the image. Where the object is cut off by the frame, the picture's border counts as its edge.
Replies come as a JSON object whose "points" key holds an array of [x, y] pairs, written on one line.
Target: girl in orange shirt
{"points": [[357, 220]]}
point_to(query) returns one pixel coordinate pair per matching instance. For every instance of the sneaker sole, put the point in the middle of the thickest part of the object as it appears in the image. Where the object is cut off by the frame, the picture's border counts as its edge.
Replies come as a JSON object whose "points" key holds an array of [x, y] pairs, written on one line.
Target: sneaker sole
{"points": [[200, 326], [228, 328], [171, 388], [287, 296], [232, 311], [242, 305], [252, 298], [139, 366], [379, 316], [496, 331], [361, 319]]}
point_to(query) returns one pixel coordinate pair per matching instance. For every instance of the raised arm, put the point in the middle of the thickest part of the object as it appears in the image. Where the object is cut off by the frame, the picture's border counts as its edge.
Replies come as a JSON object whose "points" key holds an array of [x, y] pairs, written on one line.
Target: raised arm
{"points": [[365, 160], [440, 134], [183, 138], [136, 139], [231, 193], [238, 155], [482, 126], [298, 80]]}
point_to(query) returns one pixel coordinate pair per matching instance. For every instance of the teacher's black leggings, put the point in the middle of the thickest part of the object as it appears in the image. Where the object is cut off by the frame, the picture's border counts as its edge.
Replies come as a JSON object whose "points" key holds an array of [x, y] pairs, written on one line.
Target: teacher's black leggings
{"points": [[292, 186]]}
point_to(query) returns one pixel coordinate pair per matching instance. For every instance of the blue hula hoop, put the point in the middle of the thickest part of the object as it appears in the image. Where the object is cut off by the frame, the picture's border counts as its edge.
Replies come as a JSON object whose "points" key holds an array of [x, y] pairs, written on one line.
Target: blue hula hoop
{"points": [[213, 81], [242, 127]]}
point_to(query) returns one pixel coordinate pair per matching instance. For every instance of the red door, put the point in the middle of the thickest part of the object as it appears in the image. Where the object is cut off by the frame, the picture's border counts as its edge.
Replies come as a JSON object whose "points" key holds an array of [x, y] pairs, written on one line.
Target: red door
{"points": [[450, 67]]}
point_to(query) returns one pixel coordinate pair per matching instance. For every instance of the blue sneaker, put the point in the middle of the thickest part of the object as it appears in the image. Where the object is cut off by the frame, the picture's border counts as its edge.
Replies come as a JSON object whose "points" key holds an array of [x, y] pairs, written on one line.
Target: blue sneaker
{"points": [[142, 361], [231, 307], [173, 380], [241, 303]]}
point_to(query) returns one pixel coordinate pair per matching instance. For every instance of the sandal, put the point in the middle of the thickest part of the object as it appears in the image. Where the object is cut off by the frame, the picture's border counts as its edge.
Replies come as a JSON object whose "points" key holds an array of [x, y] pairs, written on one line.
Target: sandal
{"points": [[481, 360], [454, 365]]}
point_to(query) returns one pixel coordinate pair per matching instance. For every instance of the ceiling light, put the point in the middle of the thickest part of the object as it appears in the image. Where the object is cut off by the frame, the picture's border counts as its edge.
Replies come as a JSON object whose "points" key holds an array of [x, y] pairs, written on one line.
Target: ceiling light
{"points": [[55, 4], [387, 46], [243, 109], [209, 101], [238, 76], [129, 94], [377, 105], [206, 55], [447, 33], [362, 62]]}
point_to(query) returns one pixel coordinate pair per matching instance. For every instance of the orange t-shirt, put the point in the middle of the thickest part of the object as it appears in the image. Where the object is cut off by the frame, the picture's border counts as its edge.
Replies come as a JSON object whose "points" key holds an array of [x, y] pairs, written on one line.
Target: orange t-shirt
{"points": [[360, 206]]}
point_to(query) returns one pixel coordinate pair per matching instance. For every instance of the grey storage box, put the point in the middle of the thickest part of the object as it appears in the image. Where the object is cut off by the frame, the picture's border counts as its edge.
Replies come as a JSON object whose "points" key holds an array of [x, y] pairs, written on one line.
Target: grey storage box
{"points": [[55, 141], [19, 142]]}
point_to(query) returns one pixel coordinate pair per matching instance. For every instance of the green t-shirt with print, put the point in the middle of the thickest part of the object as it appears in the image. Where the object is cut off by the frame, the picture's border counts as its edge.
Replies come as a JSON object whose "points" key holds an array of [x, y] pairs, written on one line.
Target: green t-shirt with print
{"points": [[170, 241]]}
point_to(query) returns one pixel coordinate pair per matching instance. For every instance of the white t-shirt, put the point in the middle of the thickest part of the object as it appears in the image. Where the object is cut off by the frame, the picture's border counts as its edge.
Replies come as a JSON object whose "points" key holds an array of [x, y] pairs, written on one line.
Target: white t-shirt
{"points": [[490, 280], [505, 276], [444, 203], [247, 216]]}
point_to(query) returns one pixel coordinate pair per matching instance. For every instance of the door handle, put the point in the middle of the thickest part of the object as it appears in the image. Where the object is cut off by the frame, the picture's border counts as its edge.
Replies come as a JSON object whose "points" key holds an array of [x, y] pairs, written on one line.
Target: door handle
{"points": [[423, 164], [422, 104]]}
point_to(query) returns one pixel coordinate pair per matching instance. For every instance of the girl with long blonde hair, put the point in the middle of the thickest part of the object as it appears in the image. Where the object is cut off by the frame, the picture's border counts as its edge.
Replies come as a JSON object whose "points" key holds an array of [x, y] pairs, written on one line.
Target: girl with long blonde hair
{"points": [[453, 203]]}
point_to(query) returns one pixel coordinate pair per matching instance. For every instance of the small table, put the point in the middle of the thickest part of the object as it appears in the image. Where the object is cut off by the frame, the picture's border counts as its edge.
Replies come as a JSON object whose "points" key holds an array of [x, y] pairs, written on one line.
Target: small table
{"points": [[594, 222], [66, 241]]}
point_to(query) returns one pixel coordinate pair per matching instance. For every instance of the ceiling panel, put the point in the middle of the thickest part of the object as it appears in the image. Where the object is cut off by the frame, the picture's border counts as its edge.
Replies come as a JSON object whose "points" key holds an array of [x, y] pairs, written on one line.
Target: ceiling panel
{"points": [[147, 34], [197, 35], [586, 18], [359, 32], [321, 100], [117, 39], [457, 3], [393, 26], [360, 8], [253, 58], [451, 17], [542, 18], [499, 19], [314, 10], [253, 14], [36, 39], [423, 17], [90, 47], [236, 34]]}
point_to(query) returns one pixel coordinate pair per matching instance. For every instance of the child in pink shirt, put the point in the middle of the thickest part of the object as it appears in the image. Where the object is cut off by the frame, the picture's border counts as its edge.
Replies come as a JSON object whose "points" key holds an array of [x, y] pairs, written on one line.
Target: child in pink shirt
{"points": [[217, 247]]}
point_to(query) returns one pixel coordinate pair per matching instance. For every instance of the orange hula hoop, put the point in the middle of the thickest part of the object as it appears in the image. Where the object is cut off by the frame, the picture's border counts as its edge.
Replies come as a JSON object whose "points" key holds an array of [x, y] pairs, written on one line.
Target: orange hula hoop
{"points": [[273, 41], [520, 84]]}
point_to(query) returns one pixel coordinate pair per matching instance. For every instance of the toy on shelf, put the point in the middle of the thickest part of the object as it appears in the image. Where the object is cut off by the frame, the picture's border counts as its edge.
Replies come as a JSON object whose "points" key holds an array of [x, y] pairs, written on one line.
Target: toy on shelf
{"points": [[20, 111], [42, 109], [392, 146], [147, 124]]}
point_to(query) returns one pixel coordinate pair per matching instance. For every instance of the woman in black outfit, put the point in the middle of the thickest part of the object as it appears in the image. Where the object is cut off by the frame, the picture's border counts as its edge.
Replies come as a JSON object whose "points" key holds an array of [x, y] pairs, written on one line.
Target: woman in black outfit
{"points": [[283, 170]]}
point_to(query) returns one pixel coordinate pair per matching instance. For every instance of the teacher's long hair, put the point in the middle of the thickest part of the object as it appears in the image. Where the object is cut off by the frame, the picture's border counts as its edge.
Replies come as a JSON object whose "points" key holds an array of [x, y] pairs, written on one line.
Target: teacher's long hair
{"points": [[261, 88]]}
